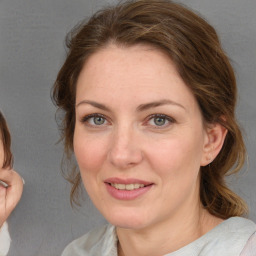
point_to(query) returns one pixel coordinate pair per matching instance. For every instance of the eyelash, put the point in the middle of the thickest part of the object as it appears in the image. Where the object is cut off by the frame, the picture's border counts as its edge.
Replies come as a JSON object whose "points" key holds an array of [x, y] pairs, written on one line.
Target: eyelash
{"points": [[169, 119], [87, 118]]}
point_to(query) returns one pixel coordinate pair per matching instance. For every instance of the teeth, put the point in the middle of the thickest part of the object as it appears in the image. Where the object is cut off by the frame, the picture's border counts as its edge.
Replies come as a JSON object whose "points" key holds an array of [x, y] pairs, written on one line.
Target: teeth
{"points": [[127, 187]]}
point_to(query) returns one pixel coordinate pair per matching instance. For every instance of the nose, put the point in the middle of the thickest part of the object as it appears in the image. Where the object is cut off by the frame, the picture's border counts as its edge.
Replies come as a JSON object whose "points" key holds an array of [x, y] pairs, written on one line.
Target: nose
{"points": [[125, 151]]}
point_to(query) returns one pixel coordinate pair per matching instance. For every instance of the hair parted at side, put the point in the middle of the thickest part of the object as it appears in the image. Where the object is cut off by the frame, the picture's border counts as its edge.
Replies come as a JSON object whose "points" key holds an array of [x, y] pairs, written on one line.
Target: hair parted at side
{"points": [[5, 138], [193, 45]]}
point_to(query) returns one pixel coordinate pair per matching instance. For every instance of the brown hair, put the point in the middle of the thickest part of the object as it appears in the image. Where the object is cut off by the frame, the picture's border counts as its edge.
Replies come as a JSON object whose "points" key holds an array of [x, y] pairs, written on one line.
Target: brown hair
{"points": [[6, 140], [194, 47]]}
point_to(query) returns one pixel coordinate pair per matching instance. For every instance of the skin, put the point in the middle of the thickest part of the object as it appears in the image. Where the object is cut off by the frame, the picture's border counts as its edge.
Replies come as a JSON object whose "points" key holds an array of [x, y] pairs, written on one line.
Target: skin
{"points": [[129, 144], [10, 196]]}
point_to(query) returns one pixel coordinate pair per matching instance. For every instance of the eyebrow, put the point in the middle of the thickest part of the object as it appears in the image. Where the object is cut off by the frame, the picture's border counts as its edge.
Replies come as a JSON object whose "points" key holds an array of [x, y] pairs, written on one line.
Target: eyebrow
{"points": [[94, 104], [159, 103], [140, 108]]}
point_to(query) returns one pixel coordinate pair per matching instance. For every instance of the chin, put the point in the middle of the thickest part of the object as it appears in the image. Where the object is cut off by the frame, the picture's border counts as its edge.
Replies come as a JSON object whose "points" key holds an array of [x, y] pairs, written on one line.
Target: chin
{"points": [[127, 220]]}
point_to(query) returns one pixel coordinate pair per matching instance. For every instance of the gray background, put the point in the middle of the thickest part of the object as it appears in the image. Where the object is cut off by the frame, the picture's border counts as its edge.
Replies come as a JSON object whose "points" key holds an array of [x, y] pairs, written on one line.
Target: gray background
{"points": [[31, 51]]}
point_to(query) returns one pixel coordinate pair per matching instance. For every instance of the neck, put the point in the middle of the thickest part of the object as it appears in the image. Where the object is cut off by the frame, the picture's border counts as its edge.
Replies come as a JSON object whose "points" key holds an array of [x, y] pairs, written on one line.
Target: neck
{"points": [[166, 237]]}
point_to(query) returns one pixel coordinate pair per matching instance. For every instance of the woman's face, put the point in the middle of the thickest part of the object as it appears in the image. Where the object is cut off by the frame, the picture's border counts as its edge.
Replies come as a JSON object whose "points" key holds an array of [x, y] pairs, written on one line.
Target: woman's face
{"points": [[139, 137]]}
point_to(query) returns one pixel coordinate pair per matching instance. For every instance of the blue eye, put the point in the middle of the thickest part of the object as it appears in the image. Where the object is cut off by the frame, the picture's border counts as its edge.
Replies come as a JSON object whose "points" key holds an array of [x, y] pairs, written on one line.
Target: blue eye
{"points": [[94, 120], [98, 120], [160, 121]]}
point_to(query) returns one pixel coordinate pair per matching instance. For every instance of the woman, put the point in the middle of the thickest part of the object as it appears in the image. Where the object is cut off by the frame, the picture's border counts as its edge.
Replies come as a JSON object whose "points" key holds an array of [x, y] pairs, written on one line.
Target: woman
{"points": [[149, 99], [11, 185]]}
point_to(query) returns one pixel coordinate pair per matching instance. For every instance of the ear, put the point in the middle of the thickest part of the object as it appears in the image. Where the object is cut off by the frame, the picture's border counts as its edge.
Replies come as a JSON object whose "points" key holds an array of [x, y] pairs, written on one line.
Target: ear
{"points": [[215, 135]]}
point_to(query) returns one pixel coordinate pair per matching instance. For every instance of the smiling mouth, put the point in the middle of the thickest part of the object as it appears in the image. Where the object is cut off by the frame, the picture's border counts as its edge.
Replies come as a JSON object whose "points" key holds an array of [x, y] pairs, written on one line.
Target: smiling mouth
{"points": [[127, 189], [127, 186]]}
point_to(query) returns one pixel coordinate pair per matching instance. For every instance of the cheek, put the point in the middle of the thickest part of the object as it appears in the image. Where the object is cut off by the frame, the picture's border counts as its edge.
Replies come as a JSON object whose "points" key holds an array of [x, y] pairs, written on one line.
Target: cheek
{"points": [[177, 157], [90, 153], [177, 163]]}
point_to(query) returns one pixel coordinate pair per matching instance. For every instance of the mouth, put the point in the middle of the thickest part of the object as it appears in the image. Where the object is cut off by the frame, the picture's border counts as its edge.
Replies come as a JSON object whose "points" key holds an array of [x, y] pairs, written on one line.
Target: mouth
{"points": [[127, 189]]}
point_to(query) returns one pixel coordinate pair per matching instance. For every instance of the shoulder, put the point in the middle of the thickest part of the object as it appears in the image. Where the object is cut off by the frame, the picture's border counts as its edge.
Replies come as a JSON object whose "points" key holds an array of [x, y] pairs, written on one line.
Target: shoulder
{"points": [[235, 229], [98, 242], [238, 225], [250, 247], [227, 239], [232, 235]]}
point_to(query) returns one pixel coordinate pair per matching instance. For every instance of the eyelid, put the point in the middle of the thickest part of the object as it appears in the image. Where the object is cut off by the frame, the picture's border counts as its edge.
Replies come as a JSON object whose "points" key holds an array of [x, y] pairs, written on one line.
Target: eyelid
{"points": [[85, 118], [168, 118]]}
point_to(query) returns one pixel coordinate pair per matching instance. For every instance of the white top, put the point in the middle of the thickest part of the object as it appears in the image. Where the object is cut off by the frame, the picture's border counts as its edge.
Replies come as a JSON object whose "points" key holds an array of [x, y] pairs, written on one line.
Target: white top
{"points": [[5, 240], [235, 236]]}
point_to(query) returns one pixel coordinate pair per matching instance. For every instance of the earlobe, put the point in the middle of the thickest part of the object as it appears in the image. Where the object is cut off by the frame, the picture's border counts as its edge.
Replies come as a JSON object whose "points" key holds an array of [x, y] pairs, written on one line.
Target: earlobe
{"points": [[215, 137]]}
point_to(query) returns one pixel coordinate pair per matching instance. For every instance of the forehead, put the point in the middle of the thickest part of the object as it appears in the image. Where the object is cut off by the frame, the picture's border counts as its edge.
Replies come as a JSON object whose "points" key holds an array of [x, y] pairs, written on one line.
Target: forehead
{"points": [[134, 55], [119, 61], [139, 72]]}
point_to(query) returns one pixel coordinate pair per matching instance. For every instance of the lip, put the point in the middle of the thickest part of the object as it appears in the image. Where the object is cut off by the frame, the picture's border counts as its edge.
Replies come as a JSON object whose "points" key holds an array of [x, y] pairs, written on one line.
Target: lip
{"points": [[127, 194], [127, 181]]}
